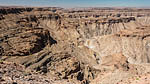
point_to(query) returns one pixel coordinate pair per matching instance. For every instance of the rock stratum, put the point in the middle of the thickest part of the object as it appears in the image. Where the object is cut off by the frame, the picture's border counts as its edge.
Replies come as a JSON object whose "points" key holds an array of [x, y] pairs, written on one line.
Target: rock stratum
{"points": [[74, 46]]}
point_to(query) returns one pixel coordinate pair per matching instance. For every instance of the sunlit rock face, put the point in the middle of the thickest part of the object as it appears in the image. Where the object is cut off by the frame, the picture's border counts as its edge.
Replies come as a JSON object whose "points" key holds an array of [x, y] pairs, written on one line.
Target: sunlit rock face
{"points": [[134, 45]]}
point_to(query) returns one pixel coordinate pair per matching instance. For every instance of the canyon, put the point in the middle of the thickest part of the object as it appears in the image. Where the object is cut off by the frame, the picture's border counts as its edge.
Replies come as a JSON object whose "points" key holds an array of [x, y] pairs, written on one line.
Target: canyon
{"points": [[74, 46]]}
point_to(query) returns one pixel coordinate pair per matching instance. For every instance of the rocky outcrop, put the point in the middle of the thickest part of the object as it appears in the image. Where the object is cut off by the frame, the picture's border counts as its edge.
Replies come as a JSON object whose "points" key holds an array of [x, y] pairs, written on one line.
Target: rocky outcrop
{"points": [[16, 73], [25, 41]]}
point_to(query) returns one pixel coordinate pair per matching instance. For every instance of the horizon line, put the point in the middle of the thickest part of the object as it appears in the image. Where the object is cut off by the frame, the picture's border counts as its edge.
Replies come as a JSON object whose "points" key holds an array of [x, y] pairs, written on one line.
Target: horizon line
{"points": [[78, 6]]}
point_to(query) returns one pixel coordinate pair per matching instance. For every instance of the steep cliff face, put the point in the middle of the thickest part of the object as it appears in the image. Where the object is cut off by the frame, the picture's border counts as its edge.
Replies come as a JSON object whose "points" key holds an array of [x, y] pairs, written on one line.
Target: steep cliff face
{"points": [[132, 43], [94, 44], [122, 50], [25, 41]]}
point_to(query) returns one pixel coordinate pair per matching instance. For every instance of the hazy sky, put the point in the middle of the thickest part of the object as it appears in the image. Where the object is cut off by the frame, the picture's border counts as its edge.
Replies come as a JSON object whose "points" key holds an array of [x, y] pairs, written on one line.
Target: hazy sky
{"points": [[78, 3]]}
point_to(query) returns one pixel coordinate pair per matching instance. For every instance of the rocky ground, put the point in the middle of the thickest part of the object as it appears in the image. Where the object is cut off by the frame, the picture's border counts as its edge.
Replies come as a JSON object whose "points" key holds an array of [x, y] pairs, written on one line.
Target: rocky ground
{"points": [[16, 74], [74, 46], [139, 79], [12, 73]]}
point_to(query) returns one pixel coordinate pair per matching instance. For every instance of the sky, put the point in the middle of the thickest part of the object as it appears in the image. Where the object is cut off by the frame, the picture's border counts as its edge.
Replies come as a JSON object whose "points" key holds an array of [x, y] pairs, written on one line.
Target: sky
{"points": [[77, 3]]}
